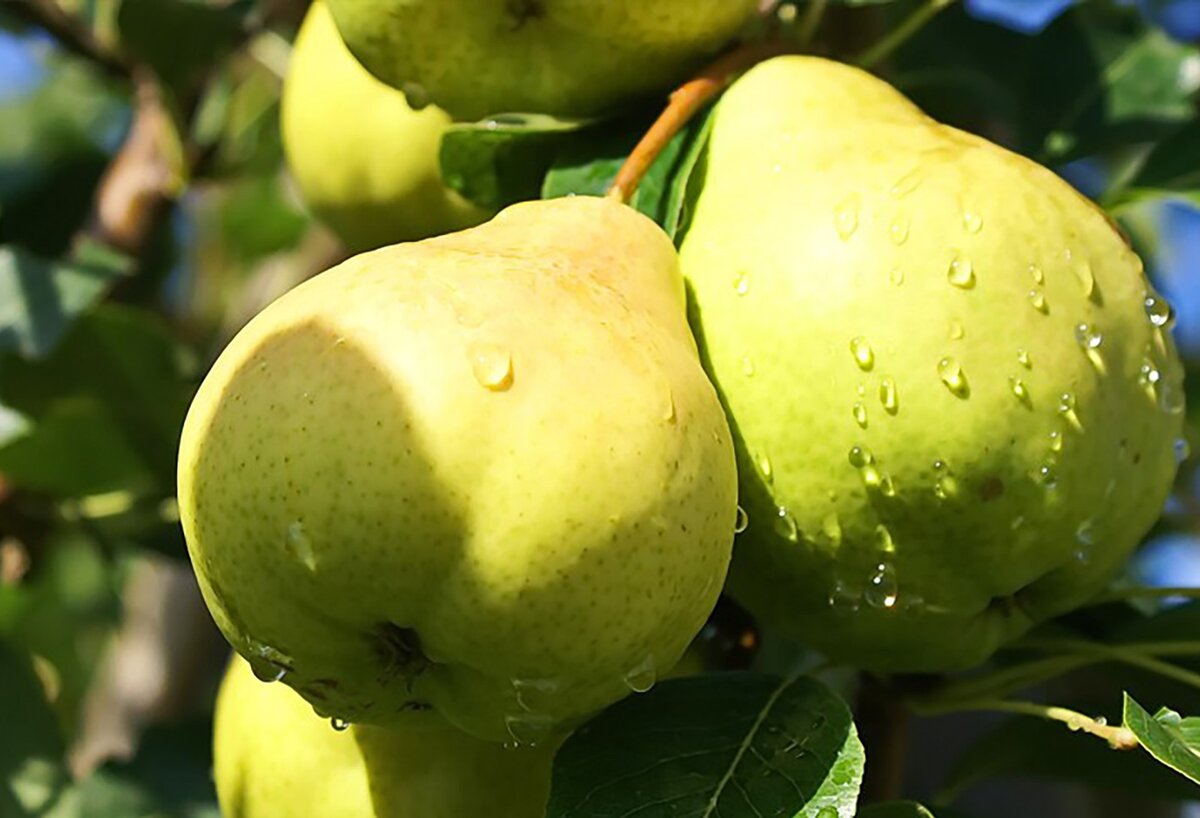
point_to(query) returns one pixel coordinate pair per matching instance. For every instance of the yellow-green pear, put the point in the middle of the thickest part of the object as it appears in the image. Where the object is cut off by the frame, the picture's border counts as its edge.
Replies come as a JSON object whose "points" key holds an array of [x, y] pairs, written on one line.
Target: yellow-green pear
{"points": [[274, 758], [574, 58], [365, 162], [954, 394], [483, 473]]}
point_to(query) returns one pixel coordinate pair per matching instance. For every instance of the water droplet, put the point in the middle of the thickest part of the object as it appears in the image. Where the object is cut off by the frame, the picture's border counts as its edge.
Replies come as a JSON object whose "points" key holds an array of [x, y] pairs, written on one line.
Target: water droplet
{"points": [[742, 521], [945, 484], [1017, 522], [953, 377], [861, 456], [898, 230], [1085, 536], [340, 725], [884, 535], [1087, 336], [860, 414], [741, 283], [888, 396], [906, 184], [896, 276], [528, 729], [1023, 359], [972, 222], [1183, 450], [828, 812], [842, 599], [1170, 398], [956, 330], [1039, 277], [887, 486], [882, 588], [1019, 390], [864, 356], [845, 217], [492, 366], [530, 690], [1056, 441], [299, 545], [785, 525], [416, 95], [748, 366], [1046, 475], [1087, 281], [1038, 299], [1158, 310], [831, 527], [642, 676], [765, 468], [1066, 408], [961, 272], [1101, 721]]}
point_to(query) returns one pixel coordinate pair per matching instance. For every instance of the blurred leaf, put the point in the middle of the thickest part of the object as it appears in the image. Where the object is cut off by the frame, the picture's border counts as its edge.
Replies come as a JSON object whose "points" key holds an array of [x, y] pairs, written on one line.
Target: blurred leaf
{"points": [[1038, 748], [257, 218], [39, 299], [502, 160], [729, 744], [1173, 165], [32, 774], [181, 39], [907, 809], [1162, 738]]}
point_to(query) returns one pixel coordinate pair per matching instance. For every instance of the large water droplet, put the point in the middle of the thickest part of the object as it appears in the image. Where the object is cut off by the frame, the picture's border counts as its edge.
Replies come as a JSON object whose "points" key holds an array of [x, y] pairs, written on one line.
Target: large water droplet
{"points": [[888, 396], [299, 545], [961, 272], [415, 95], [741, 283], [1158, 310], [882, 589], [785, 525], [952, 375], [898, 230], [845, 217], [742, 521], [642, 676], [956, 330], [864, 356], [1087, 336], [860, 414], [528, 729], [1019, 390], [492, 366], [340, 725], [1038, 299], [972, 222], [861, 456]]}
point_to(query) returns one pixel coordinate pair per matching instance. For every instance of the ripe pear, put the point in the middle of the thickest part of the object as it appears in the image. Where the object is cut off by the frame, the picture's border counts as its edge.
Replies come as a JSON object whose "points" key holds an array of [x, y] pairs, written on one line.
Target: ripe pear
{"points": [[954, 394], [365, 162], [274, 758], [483, 474], [573, 58]]}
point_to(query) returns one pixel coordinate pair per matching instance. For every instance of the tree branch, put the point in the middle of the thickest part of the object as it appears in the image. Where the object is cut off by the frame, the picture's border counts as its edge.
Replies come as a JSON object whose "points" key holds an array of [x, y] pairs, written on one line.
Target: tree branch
{"points": [[71, 35]]}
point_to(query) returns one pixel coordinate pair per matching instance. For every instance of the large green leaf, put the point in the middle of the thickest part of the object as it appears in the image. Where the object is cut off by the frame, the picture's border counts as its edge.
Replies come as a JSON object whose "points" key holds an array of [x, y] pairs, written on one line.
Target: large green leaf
{"points": [[32, 773], [717, 745]]}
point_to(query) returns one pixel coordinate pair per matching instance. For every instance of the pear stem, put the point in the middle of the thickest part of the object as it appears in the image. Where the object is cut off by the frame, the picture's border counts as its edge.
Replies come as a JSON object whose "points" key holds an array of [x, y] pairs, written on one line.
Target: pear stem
{"points": [[1119, 738], [901, 33], [684, 102]]}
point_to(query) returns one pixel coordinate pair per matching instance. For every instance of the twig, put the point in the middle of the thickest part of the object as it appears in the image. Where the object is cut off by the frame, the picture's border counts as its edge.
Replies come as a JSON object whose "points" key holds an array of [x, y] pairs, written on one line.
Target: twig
{"points": [[686, 101], [1119, 738], [71, 34], [901, 33], [883, 724]]}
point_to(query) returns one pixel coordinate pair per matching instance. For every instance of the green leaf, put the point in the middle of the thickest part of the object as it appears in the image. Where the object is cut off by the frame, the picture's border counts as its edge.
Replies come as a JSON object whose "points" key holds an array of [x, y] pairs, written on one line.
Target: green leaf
{"points": [[180, 38], [40, 299], [1162, 738], [32, 773], [732, 745], [502, 160], [1173, 165], [1042, 749]]}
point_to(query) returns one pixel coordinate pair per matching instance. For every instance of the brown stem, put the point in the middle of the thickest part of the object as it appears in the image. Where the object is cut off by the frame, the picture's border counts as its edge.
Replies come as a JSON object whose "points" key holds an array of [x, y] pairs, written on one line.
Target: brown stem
{"points": [[70, 33], [685, 101], [883, 727]]}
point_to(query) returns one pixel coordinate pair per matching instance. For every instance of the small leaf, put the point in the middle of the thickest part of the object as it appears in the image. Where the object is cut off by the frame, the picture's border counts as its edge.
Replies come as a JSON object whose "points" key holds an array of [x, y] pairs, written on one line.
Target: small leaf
{"points": [[732, 745], [40, 299], [1162, 738]]}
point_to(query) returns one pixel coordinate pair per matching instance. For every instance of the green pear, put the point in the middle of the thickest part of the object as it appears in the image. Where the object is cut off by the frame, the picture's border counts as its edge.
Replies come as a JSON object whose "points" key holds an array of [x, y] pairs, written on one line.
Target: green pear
{"points": [[365, 162], [574, 58], [953, 392], [483, 474], [274, 758]]}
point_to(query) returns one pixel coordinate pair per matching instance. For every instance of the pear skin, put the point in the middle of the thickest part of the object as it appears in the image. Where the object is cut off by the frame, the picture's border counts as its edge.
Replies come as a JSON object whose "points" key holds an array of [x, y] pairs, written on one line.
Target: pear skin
{"points": [[954, 393], [483, 474]]}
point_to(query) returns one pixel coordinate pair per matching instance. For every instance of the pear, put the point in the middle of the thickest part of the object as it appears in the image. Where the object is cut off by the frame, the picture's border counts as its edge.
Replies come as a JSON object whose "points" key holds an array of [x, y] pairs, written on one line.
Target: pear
{"points": [[365, 162], [483, 474], [573, 58], [274, 758], [954, 394]]}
